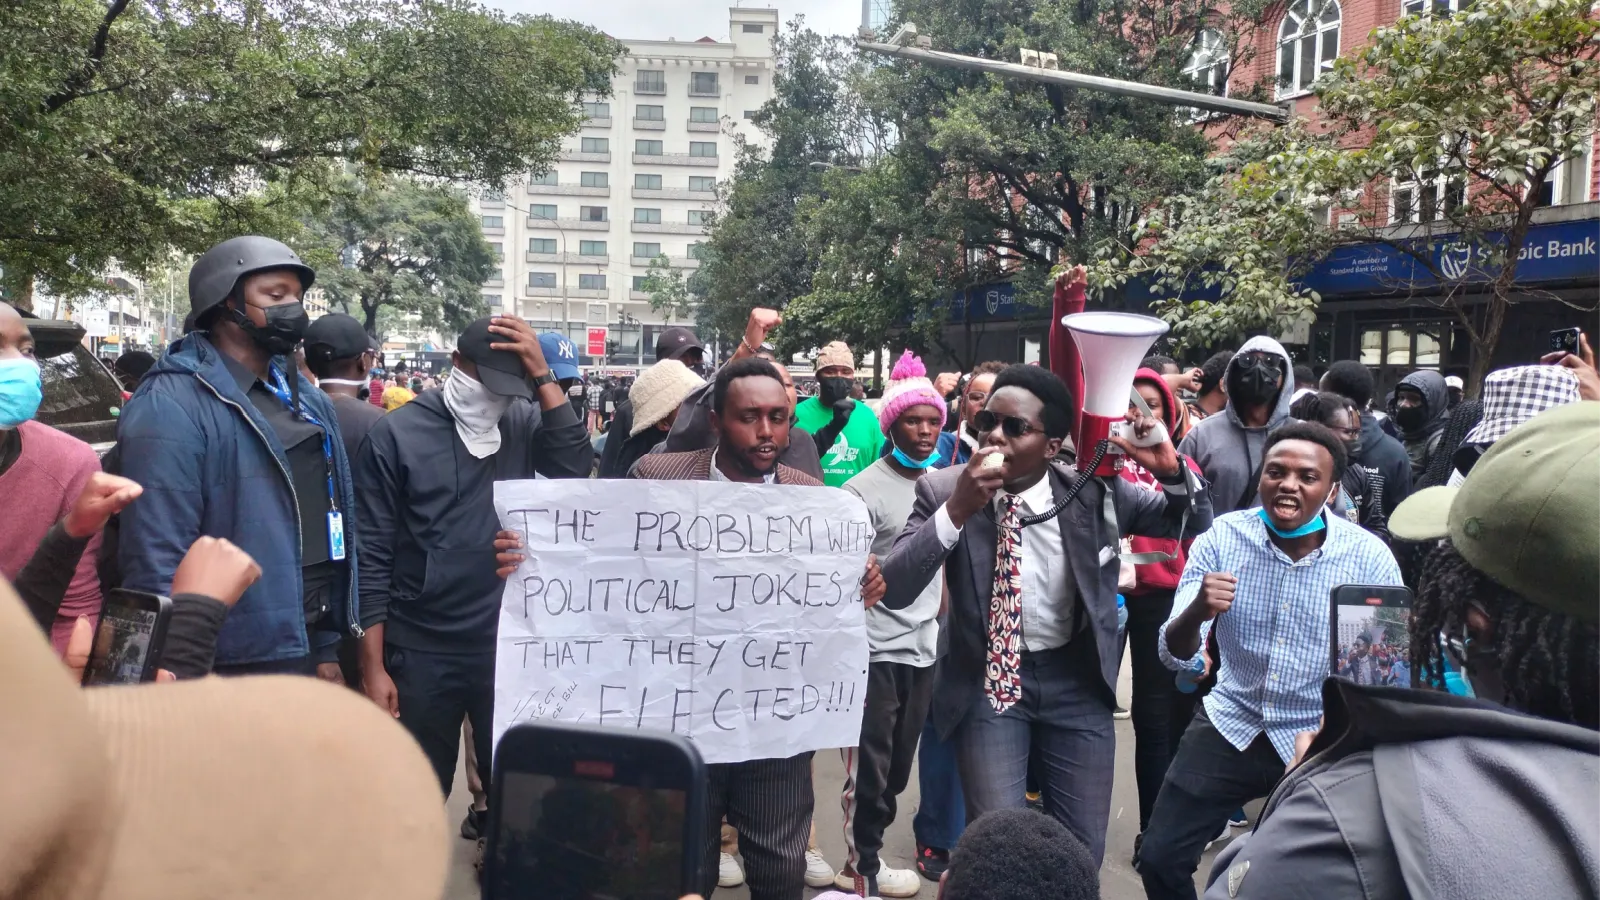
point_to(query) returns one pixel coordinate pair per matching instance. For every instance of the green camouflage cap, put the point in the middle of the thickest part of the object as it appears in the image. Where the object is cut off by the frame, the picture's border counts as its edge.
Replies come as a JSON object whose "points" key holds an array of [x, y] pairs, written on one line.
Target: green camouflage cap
{"points": [[1528, 515]]}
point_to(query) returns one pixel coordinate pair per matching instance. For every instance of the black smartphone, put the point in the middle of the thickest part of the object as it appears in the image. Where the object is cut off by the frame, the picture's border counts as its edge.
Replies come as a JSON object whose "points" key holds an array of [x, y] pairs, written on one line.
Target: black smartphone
{"points": [[130, 638], [581, 813], [1565, 340], [1369, 628]]}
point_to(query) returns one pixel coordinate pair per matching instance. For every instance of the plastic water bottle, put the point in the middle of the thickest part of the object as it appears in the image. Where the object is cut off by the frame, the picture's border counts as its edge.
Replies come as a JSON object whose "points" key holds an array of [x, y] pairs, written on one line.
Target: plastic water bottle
{"points": [[1122, 617], [1189, 677]]}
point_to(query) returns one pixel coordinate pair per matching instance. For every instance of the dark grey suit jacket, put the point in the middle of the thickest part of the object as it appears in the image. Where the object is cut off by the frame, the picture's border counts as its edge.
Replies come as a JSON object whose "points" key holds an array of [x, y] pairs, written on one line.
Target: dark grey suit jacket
{"points": [[969, 571]]}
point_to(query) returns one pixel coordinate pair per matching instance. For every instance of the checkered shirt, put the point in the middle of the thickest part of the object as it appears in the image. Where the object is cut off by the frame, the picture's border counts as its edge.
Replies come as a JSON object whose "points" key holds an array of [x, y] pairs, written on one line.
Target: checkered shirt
{"points": [[1273, 640], [1515, 395]]}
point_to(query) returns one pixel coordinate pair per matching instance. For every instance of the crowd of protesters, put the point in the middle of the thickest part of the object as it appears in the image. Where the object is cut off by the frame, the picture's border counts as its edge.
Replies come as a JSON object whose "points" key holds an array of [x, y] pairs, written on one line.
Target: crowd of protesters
{"points": [[311, 514]]}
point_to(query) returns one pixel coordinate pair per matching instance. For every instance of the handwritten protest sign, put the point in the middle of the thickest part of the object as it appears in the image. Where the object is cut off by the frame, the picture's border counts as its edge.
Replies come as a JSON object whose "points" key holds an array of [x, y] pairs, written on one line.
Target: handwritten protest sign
{"points": [[729, 613]]}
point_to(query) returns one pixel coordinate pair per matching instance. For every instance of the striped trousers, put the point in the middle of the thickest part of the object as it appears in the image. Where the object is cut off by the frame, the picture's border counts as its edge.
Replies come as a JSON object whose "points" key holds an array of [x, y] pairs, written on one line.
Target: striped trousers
{"points": [[769, 802]]}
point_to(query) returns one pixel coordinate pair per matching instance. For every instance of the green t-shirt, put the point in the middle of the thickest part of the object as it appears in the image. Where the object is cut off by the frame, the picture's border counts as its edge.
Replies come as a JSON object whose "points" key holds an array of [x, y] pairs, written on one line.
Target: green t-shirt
{"points": [[859, 444]]}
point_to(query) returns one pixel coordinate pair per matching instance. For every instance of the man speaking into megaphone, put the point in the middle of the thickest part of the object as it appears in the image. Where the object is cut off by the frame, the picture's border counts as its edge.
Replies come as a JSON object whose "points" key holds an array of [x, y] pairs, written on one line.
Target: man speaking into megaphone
{"points": [[1032, 663]]}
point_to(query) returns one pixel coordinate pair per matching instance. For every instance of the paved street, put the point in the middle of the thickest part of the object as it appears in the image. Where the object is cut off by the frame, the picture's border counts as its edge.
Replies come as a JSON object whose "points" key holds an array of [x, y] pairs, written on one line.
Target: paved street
{"points": [[1117, 878]]}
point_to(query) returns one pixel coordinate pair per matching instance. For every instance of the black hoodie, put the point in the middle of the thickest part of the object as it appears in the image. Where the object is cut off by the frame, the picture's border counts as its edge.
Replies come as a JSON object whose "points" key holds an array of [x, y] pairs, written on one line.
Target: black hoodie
{"points": [[428, 518]]}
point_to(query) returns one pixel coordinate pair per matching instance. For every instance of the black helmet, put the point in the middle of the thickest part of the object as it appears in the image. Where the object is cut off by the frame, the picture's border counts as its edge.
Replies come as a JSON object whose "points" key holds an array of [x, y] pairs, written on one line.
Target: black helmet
{"points": [[214, 275]]}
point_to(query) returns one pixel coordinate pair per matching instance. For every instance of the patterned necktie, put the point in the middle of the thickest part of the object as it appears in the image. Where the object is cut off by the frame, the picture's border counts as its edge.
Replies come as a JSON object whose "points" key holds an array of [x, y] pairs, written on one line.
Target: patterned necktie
{"points": [[1002, 677]]}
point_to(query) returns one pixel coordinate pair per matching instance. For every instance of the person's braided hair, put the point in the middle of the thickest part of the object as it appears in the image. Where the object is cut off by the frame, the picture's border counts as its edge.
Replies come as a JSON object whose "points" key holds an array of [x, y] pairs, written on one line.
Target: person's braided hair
{"points": [[1549, 661], [1462, 419]]}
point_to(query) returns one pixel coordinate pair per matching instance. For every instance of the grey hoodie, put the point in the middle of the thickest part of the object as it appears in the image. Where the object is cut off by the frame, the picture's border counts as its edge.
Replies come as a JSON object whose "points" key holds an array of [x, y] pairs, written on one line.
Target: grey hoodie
{"points": [[1228, 452], [1435, 393]]}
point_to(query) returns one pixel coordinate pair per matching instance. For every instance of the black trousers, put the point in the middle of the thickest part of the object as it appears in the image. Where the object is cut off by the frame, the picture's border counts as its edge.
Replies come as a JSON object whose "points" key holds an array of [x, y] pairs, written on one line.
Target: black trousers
{"points": [[878, 770], [1208, 780], [437, 691], [768, 801], [1153, 691]]}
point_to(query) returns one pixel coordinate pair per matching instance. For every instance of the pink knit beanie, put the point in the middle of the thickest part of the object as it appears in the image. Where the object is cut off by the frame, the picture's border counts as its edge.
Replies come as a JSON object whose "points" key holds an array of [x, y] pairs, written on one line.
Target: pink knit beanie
{"points": [[908, 386]]}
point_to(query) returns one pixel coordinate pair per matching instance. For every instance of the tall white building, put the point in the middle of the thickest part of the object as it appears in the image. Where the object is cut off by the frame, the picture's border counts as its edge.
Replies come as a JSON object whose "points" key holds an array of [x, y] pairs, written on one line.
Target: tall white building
{"points": [[634, 184], [875, 14]]}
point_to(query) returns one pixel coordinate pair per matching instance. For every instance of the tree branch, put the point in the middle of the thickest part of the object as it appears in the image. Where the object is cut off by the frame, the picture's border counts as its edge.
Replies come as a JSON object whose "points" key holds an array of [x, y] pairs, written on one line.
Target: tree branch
{"points": [[79, 80]]}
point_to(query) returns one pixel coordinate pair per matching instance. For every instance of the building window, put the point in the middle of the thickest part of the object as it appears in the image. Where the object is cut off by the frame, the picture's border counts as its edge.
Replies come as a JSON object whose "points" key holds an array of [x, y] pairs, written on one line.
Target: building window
{"points": [[594, 179], [650, 112], [542, 279], [703, 148], [592, 213], [1428, 197], [1442, 8], [647, 148], [703, 83], [639, 282], [499, 250], [647, 216], [596, 145], [1569, 182], [752, 29], [541, 245], [493, 221], [542, 211], [1308, 43], [702, 182], [749, 114], [702, 113], [647, 182], [752, 79], [697, 250], [491, 300], [591, 248], [591, 282], [699, 217], [550, 178], [1208, 66], [647, 81], [597, 110], [646, 251]]}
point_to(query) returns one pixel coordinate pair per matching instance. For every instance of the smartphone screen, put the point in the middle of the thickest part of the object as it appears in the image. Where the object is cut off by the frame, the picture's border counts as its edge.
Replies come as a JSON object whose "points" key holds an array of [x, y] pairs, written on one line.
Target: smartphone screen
{"points": [[583, 836], [1371, 632], [131, 629]]}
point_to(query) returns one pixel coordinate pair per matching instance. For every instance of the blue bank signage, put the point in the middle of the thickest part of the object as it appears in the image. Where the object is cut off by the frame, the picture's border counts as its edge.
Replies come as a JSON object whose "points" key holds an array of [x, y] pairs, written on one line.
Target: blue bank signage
{"points": [[1556, 252]]}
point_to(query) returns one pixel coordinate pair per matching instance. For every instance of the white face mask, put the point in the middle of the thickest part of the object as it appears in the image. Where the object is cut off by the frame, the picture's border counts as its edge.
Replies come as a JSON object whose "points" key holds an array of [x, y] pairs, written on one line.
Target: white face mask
{"points": [[477, 412]]}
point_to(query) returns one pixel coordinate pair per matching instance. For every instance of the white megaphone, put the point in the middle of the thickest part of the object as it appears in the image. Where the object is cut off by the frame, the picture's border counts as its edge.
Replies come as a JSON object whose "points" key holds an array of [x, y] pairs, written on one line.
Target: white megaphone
{"points": [[1111, 345]]}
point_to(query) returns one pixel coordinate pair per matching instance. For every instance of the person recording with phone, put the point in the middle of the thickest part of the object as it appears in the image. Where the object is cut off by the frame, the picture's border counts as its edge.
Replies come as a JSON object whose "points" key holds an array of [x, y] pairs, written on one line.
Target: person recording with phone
{"points": [[1504, 638], [1261, 578], [1031, 669]]}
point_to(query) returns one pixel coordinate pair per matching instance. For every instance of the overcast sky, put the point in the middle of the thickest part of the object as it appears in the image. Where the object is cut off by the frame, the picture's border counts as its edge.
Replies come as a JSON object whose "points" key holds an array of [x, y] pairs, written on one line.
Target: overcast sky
{"points": [[686, 20]]}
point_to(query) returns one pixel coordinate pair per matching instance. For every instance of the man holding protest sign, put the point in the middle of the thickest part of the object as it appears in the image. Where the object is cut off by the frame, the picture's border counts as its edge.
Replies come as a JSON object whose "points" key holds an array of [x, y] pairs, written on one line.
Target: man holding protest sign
{"points": [[769, 801], [1032, 663]]}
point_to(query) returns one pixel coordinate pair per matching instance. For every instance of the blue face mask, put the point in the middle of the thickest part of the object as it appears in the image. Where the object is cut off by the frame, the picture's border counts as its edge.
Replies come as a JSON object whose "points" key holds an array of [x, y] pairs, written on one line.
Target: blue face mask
{"points": [[904, 460], [20, 392], [1456, 681], [1311, 527]]}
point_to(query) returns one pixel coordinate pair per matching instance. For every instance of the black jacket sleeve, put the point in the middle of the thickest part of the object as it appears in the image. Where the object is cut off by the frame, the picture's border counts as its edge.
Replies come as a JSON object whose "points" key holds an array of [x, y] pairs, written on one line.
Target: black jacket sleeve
{"points": [[378, 488], [192, 635], [611, 457], [559, 446], [43, 582]]}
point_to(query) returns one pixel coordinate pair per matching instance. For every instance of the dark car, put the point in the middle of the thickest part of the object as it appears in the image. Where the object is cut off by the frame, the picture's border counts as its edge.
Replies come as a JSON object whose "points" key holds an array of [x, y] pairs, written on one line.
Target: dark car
{"points": [[81, 396]]}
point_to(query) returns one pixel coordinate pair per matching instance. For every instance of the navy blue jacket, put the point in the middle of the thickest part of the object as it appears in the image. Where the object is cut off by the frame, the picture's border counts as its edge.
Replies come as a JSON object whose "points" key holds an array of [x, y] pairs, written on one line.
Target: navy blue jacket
{"points": [[210, 464]]}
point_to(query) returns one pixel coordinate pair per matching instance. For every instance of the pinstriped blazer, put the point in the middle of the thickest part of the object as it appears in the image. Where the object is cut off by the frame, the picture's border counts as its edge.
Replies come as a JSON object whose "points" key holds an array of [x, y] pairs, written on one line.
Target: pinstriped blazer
{"points": [[695, 465]]}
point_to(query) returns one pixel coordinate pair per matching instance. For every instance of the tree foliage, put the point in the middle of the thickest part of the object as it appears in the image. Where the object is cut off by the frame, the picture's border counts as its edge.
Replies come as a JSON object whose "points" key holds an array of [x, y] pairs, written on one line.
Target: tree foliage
{"points": [[1495, 96], [398, 244], [131, 127]]}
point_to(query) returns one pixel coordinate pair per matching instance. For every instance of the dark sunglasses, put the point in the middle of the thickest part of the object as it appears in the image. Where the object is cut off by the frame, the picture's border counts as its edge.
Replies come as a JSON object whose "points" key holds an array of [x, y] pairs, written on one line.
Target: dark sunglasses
{"points": [[1264, 361], [1014, 426]]}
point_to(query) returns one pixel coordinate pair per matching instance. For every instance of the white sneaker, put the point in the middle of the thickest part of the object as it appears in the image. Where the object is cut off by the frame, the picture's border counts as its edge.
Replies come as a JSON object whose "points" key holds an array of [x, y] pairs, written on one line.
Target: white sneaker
{"points": [[818, 873], [728, 872], [897, 882]]}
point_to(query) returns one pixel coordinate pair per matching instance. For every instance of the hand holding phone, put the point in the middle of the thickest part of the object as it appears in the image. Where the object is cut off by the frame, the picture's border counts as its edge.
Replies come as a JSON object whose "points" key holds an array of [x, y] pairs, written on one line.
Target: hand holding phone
{"points": [[1369, 631], [1571, 350], [129, 641]]}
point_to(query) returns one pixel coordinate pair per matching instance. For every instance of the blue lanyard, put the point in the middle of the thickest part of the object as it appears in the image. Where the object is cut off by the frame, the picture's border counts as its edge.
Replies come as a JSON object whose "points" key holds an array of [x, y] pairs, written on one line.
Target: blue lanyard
{"points": [[279, 387]]}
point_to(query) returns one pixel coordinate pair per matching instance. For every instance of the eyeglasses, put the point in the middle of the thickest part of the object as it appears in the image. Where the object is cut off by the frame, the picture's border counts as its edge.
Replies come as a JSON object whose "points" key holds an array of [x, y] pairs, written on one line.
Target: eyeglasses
{"points": [[1263, 360], [1014, 426]]}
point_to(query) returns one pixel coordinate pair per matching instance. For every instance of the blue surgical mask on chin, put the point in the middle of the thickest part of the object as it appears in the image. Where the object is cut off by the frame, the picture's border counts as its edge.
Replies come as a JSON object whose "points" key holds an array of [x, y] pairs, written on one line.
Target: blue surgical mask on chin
{"points": [[1311, 527], [20, 391], [904, 460]]}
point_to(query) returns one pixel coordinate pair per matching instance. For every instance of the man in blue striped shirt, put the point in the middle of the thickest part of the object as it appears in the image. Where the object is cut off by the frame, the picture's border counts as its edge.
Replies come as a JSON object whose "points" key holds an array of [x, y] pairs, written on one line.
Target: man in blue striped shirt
{"points": [[1261, 577]]}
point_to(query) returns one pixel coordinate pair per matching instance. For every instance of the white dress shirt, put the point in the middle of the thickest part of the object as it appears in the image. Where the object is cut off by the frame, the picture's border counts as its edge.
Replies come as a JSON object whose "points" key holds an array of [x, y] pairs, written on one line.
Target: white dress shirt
{"points": [[1049, 599], [716, 473]]}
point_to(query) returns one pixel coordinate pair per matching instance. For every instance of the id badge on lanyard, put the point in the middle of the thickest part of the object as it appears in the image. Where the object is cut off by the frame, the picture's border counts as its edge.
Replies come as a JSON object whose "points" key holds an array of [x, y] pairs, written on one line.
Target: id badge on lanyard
{"points": [[335, 535]]}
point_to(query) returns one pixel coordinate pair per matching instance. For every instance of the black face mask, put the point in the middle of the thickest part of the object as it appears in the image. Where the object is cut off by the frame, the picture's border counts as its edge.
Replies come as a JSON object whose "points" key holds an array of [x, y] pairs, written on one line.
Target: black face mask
{"points": [[1254, 381], [1410, 418], [833, 389], [286, 325]]}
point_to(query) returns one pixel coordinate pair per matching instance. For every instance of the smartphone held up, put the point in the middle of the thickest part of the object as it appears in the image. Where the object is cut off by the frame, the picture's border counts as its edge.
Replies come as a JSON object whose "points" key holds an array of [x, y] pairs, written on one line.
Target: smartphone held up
{"points": [[1370, 634], [130, 639]]}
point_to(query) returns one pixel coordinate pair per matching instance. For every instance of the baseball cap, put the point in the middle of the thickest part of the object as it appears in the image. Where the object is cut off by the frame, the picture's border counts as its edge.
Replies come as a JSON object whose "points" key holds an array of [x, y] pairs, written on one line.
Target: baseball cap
{"points": [[1454, 381], [500, 371], [675, 342], [1528, 514], [560, 354], [336, 336], [264, 786]]}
